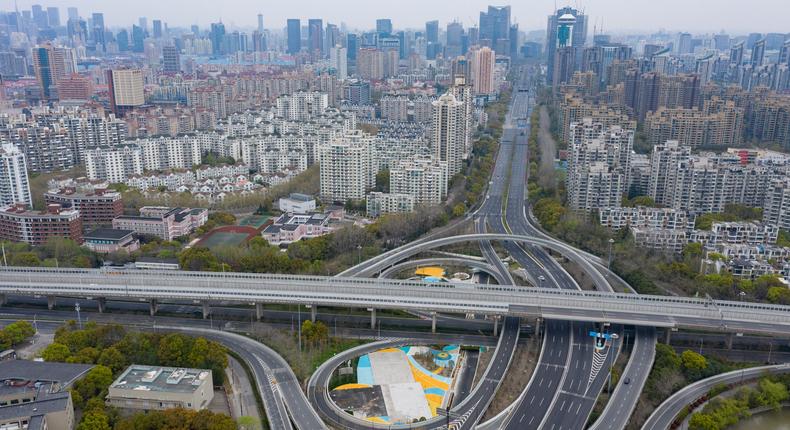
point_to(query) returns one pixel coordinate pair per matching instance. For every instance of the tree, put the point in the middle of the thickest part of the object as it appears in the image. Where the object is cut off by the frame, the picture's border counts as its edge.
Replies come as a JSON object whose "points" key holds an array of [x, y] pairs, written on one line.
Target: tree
{"points": [[95, 382], [459, 210], [172, 349], [383, 181], [55, 352], [94, 420], [24, 259], [693, 361], [18, 332], [773, 393], [198, 258], [113, 359], [702, 421]]}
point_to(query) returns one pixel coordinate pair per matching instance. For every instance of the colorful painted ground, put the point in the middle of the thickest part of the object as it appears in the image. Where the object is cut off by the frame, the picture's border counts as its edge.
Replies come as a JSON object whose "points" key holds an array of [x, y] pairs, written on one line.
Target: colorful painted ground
{"points": [[399, 385]]}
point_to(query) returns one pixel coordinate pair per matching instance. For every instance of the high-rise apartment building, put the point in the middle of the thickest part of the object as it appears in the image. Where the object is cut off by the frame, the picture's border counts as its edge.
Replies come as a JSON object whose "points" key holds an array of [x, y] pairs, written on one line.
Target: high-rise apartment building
{"points": [[598, 165], [394, 108], [127, 89], [370, 63], [424, 178], [345, 168], [14, 184], [338, 58], [692, 127], [664, 162], [483, 64], [449, 132]]}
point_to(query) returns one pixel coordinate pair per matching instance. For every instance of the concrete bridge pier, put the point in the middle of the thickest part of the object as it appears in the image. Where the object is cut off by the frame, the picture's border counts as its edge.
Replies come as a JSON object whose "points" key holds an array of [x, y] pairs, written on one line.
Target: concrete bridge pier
{"points": [[102, 302], [537, 327], [3, 300], [153, 306], [259, 311], [372, 318], [51, 302], [667, 335], [496, 325], [313, 312], [433, 322], [729, 340], [206, 309]]}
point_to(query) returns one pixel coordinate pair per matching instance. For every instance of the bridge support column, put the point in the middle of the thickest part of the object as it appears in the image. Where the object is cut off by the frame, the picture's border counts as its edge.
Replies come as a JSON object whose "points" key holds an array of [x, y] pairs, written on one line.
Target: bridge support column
{"points": [[537, 327], [206, 309], [433, 322], [667, 335], [372, 318], [102, 302], [3, 300], [153, 306], [259, 311], [51, 302], [313, 312], [496, 325], [729, 340]]}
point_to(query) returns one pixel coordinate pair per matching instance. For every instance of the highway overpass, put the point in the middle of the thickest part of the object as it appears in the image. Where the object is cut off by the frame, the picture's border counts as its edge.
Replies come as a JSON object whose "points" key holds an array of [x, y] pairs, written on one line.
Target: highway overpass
{"points": [[256, 289]]}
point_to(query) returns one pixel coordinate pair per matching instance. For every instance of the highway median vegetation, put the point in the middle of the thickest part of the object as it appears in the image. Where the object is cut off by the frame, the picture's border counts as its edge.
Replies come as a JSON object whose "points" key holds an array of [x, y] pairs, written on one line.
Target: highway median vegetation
{"points": [[671, 372], [726, 410]]}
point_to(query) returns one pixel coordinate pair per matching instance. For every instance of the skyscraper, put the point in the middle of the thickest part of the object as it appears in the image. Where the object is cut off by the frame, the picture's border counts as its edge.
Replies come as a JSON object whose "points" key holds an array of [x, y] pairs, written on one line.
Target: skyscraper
{"points": [[455, 36], [14, 185], [260, 23], [565, 52], [448, 138], [315, 36], [217, 38], [495, 28], [53, 15], [294, 36], [98, 31], [736, 54], [157, 25], [171, 61], [483, 61], [338, 58], [432, 31], [126, 89], [49, 64], [138, 38], [384, 26], [74, 14], [758, 53], [576, 39]]}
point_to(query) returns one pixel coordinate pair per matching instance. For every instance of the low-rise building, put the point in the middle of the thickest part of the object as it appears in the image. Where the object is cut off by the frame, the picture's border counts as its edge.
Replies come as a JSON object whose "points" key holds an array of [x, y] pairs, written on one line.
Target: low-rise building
{"points": [[165, 223], [18, 224], [35, 395], [156, 388], [289, 228], [388, 203], [108, 240], [97, 208], [660, 238], [646, 217], [297, 203]]}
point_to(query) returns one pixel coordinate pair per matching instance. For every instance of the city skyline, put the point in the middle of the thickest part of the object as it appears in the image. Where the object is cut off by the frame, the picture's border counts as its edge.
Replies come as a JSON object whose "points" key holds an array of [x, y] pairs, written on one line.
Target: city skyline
{"points": [[730, 15]]}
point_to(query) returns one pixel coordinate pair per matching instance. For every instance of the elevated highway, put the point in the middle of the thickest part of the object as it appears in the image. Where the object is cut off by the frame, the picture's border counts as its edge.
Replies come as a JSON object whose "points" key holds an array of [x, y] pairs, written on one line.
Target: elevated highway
{"points": [[247, 288]]}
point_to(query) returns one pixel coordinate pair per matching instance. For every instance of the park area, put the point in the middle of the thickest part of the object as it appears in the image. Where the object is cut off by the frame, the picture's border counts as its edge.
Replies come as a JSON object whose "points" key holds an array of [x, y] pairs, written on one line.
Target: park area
{"points": [[399, 385]]}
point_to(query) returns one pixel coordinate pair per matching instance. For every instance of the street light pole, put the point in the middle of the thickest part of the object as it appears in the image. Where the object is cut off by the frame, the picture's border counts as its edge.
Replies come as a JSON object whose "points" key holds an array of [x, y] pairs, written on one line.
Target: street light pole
{"points": [[77, 308], [611, 242]]}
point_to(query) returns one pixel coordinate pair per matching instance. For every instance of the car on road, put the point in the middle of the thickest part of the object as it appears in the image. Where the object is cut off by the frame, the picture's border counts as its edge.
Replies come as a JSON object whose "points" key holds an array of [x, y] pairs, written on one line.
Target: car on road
{"points": [[541, 278], [627, 381]]}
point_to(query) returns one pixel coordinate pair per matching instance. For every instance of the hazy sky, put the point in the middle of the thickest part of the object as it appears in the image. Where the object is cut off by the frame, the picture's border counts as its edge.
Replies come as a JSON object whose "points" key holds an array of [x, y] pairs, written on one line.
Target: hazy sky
{"points": [[734, 16]]}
